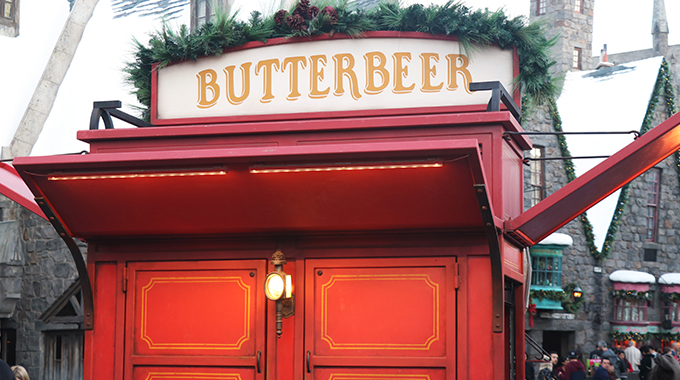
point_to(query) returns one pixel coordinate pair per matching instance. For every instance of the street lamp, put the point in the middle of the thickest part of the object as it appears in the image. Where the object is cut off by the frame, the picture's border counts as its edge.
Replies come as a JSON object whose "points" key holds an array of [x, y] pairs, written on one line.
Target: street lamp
{"points": [[577, 293]]}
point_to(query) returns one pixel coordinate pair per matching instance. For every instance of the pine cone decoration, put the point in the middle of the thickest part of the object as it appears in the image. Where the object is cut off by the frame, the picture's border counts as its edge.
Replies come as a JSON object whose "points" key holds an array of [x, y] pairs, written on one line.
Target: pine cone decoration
{"points": [[302, 9], [330, 11], [313, 12], [280, 17], [296, 22]]}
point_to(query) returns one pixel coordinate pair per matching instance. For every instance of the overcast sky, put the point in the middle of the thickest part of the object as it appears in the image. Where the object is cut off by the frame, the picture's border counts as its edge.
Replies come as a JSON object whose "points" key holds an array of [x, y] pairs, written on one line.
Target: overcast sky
{"points": [[622, 25]]}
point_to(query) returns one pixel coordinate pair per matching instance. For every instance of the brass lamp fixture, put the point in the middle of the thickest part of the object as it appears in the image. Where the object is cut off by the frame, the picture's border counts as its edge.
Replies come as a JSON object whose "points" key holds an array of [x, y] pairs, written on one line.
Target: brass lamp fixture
{"points": [[278, 287], [577, 293]]}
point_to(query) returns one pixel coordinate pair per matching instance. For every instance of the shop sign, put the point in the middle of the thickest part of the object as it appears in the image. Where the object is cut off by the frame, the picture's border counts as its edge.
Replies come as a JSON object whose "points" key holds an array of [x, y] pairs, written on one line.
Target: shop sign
{"points": [[330, 76]]}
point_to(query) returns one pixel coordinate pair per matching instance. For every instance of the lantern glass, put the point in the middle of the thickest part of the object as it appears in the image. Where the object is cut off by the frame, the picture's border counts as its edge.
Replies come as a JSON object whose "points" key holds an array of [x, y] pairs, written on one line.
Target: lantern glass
{"points": [[274, 286]]}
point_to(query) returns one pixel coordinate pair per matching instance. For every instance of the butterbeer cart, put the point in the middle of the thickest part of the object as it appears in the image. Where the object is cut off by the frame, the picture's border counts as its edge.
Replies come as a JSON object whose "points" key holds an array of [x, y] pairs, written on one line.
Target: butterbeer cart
{"points": [[334, 208]]}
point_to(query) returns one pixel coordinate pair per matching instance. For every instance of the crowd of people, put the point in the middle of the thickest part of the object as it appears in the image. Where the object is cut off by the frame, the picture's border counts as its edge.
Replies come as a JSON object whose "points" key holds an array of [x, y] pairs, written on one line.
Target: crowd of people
{"points": [[611, 364]]}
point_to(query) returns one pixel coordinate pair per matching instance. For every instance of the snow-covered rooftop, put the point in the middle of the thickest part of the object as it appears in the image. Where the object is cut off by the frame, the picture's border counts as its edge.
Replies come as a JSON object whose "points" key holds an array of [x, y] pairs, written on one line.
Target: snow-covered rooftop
{"points": [[670, 279], [557, 239], [610, 99], [632, 276]]}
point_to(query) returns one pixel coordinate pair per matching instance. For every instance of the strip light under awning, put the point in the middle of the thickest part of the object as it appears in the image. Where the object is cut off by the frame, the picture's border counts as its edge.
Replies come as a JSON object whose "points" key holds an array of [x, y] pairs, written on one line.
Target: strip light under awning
{"points": [[344, 167], [70, 177]]}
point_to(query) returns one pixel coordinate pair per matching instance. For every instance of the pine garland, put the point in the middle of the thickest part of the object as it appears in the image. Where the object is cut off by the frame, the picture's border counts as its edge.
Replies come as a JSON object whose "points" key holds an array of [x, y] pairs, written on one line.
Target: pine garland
{"points": [[471, 27], [672, 296], [663, 83], [616, 335], [632, 295], [563, 296]]}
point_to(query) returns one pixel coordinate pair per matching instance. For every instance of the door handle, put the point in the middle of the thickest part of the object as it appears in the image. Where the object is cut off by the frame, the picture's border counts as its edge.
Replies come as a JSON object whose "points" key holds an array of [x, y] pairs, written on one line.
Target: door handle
{"points": [[309, 370], [259, 354]]}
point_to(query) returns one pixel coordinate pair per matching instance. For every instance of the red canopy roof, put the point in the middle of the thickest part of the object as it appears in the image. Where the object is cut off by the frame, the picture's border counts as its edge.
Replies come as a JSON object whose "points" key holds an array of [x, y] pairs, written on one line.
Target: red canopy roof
{"points": [[160, 192], [14, 188]]}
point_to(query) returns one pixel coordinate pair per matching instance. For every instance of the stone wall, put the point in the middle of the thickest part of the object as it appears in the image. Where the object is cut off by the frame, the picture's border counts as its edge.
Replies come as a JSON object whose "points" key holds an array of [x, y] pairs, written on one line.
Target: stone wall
{"points": [[46, 269]]}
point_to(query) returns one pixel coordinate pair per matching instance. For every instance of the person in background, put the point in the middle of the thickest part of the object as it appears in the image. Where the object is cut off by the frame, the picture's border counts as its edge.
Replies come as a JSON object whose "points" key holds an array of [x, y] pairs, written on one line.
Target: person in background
{"points": [[5, 371], [666, 368], [633, 355], [554, 360], [646, 362], [574, 370], [20, 372], [605, 371], [545, 371], [597, 352], [560, 369], [529, 371], [623, 363], [675, 349]]}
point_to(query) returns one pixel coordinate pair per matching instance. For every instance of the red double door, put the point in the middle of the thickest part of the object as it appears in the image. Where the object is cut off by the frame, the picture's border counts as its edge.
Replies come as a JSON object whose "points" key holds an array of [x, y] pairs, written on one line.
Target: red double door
{"points": [[359, 319]]}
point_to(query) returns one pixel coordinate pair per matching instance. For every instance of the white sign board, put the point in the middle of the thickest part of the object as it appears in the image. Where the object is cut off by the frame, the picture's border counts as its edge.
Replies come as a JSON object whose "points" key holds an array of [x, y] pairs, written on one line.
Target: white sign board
{"points": [[330, 76]]}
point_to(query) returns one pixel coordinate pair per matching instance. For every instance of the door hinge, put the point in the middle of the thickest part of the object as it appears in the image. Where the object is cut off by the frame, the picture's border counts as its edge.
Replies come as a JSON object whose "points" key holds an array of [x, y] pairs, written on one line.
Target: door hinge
{"points": [[456, 276], [125, 279]]}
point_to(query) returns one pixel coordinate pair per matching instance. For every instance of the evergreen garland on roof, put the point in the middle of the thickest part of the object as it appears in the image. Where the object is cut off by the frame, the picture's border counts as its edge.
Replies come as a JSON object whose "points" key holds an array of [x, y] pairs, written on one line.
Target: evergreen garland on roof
{"points": [[663, 84], [471, 27]]}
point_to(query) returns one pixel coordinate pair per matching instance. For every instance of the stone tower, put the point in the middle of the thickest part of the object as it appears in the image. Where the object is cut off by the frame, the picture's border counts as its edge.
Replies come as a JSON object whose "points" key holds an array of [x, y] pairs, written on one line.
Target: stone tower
{"points": [[660, 28], [572, 21]]}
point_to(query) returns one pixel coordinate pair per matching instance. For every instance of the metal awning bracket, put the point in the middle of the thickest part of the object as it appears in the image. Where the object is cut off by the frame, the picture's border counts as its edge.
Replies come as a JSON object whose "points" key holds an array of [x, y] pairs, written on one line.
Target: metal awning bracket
{"points": [[86, 287], [497, 289]]}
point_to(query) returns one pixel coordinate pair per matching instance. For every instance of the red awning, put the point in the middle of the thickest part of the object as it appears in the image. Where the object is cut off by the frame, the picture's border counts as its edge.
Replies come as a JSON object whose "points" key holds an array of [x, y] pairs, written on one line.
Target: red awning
{"points": [[14, 188], [220, 191], [585, 191]]}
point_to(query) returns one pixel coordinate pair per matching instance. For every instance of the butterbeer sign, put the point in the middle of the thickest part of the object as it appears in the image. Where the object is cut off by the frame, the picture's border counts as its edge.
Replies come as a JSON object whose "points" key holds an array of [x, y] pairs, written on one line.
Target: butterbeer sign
{"points": [[330, 75]]}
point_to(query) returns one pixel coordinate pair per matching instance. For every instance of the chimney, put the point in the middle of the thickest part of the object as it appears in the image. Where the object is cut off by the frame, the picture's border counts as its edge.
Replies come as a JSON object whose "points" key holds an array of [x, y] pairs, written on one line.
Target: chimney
{"points": [[604, 59]]}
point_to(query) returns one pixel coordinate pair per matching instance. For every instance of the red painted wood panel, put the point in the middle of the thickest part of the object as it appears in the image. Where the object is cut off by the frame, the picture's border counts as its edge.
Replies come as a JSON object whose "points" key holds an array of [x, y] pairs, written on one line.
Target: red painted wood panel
{"points": [[383, 313], [379, 374], [101, 364], [182, 315], [164, 373]]}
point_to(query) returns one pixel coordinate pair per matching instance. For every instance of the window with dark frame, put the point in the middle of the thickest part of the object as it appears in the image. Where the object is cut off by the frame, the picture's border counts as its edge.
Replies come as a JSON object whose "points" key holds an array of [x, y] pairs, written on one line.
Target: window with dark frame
{"points": [[203, 11], [547, 271], [653, 180], [578, 6], [7, 10], [632, 310], [671, 310], [577, 59], [540, 7], [537, 174]]}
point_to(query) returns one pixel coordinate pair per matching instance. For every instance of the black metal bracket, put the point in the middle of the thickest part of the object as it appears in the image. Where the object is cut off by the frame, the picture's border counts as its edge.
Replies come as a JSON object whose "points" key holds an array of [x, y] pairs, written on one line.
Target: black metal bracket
{"points": [[105, 110], [497, 289], [498, 94], [85, 285]]}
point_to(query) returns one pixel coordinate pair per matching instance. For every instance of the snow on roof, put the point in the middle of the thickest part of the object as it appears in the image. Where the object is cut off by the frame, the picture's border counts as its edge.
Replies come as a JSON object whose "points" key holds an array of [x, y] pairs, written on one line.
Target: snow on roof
{"points": [[670, 279], [632, 276], [557, 239], [610, 99]]}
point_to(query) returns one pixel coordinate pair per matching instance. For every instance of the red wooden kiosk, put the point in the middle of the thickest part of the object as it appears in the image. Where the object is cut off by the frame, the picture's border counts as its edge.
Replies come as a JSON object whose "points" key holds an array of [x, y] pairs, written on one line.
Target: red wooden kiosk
{"points": [[397, 222]]}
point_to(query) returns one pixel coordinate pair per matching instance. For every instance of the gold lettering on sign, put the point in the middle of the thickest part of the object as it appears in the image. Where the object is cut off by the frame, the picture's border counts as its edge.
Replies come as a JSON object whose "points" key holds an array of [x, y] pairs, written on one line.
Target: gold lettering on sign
{"points": [[268, 65], [401, 72], [317, 63], [245, 81], [455, 70], [293, 84], [372, 69], [341, 71], [205, 85], [376, 73], [429, 72]]}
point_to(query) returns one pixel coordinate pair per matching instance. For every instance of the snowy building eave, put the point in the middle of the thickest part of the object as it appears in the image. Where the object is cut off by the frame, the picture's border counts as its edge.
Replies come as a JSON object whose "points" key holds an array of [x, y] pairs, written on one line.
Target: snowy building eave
{"points": [[670, 279], [557, 239], [632, 277]]}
